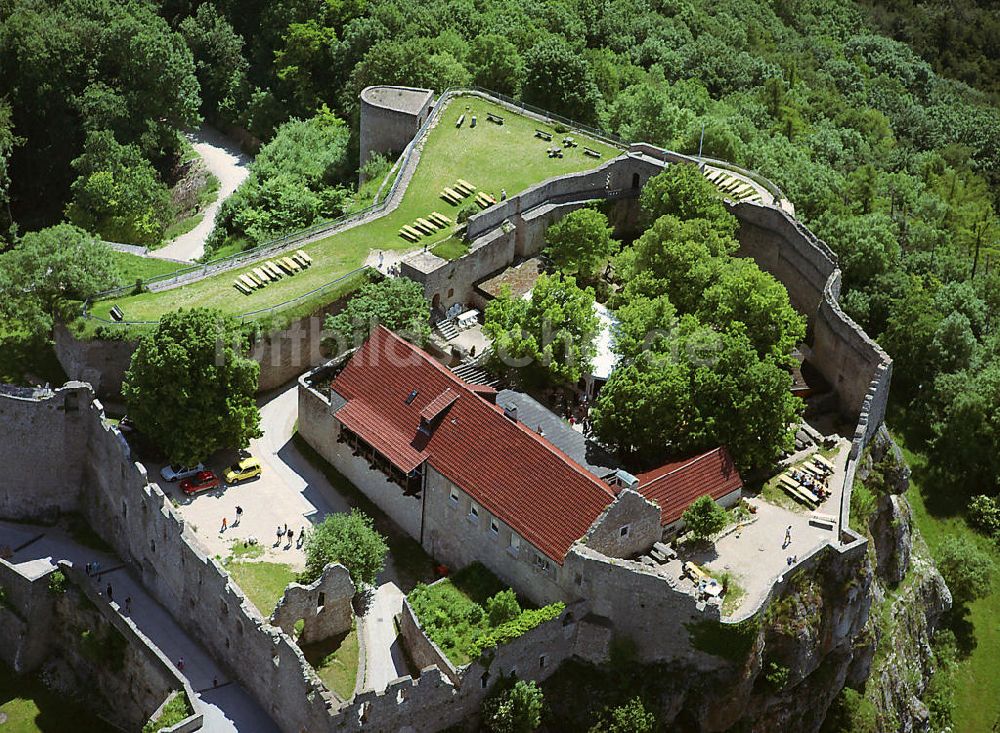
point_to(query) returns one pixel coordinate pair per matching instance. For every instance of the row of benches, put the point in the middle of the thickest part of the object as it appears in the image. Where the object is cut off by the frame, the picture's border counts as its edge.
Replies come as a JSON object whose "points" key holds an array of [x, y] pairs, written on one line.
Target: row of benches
{"points": [[423, 226], [457, 191], [567, 142], [271, 271], [732, 186]]}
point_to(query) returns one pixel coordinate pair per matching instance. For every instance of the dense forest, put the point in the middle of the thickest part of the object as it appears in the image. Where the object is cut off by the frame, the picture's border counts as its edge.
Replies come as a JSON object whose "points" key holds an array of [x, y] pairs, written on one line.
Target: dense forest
{"points": [[878, 120]]}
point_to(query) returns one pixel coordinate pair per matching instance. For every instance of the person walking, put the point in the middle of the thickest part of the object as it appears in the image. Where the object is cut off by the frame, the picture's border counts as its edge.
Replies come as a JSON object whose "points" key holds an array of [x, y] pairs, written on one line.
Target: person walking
{"points": [[239, 515], [128, 605], [291, 536], [225, 524], [280, 533], [180, 664], [788, 537], [109, 593]]}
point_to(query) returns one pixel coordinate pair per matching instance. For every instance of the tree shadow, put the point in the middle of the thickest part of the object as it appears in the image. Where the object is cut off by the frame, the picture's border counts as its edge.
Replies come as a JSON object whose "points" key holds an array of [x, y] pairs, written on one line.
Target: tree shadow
{"points": [[957, 620]]}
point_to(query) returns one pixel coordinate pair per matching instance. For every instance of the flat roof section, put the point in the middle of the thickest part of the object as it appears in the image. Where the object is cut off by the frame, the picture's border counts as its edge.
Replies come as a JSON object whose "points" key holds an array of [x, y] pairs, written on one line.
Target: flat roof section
{"points": [[402, 99]]}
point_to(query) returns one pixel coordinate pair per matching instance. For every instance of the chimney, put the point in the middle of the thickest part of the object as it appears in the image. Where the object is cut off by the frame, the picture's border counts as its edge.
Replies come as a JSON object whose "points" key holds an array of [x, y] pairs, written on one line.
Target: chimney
{"points": [[510, 412]]}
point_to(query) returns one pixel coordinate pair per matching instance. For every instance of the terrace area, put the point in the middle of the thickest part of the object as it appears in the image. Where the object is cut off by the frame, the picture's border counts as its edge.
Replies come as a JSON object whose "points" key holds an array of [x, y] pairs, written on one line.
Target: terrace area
{"points": [[493, 157]]}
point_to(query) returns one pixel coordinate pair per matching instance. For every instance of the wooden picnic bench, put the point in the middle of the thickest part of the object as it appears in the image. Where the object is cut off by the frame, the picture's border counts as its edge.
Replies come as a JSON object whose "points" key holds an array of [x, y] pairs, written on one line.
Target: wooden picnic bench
{"points": [[494, 118], [241, 287], [544, 135], [304, 256], [591, 153], [825, 521], [461, 119], [407, 236], [694, 572]]}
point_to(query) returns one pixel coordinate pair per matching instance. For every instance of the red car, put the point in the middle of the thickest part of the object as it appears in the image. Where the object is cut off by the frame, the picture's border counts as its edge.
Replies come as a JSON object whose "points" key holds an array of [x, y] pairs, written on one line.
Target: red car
{"points": [[201, 481]]}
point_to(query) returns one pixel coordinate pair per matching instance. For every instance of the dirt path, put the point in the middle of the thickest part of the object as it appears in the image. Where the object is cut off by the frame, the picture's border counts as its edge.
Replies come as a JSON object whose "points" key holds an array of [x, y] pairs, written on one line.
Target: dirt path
{"points": [[227, 163]]}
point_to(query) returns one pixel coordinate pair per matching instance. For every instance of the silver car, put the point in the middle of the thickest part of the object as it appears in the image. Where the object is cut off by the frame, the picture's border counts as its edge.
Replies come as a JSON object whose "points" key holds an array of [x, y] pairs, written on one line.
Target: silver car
{"points": [[173, 473]]}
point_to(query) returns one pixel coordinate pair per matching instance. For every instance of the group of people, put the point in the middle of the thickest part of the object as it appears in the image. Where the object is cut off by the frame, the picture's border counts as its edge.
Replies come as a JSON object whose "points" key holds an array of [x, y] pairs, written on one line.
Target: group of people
{"points": [[810, 482], [290, 536]]}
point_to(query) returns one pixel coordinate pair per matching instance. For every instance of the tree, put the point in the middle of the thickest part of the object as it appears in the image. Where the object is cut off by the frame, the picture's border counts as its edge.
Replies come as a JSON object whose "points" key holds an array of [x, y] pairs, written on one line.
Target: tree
{"points": [[558, 79], [642, 322], [49, 267], [682, 191], [189, 389], [554, 329], [293, 182], [517, 709], [350, 539], [984, 514], [396, 303], [219, 63], [965, 568], [704, 518], [502, 607], [118, 193], [631, 717], [498, 64], [580, 243], [745, 293]]}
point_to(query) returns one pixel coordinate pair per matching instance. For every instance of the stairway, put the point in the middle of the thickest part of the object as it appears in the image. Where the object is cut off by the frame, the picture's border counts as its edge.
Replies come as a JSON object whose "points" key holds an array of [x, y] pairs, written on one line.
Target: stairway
{"points": [[447, 329], [472, 373]]}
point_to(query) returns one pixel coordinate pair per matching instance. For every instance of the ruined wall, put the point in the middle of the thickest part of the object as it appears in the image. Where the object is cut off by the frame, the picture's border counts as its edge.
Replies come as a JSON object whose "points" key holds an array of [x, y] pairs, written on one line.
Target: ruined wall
{"points": [[32, 428], [324, 605], [629, 526], [637, 601], [25, 618], [102, 364], [421, 648]]}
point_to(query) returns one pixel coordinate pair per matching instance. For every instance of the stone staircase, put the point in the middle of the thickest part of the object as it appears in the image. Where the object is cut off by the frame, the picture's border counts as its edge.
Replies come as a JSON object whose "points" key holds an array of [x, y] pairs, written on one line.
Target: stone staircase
{"points": [[446, 329], [472, 373]]}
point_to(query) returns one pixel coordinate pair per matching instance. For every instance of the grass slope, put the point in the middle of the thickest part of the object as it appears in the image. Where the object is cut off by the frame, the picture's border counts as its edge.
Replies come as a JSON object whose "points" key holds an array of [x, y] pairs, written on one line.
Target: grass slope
{"points": [[132, 267], [263, 582], [489, 156], [336, 662], [977, 682]]}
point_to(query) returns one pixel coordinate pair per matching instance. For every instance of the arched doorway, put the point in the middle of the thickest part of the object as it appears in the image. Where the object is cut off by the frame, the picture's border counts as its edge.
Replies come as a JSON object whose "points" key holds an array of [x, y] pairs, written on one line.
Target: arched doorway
{"points": [[635, 181]]}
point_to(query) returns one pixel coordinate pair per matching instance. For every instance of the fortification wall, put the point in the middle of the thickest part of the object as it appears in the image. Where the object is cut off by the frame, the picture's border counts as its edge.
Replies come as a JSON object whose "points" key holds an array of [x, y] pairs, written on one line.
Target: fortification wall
{"points": [[25, 619], [40, 489], [390, 117], [421, 648], [637, 601], [102, 364]]}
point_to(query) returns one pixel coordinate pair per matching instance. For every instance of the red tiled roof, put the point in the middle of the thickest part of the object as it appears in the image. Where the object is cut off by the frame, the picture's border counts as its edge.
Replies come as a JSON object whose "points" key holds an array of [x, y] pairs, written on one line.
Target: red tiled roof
{"points": [[436, 406], [676, 485], [512, 472]]}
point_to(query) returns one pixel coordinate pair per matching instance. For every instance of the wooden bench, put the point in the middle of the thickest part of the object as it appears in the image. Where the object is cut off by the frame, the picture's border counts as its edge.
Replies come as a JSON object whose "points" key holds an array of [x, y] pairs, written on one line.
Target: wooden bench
{"points": [[790, 487], [274, 269], [284, 266], [304, 256], [494, 118], [407, 236], [296, 258], [464, 189], [591, 153], [823, 462], [422, 228], [428, 223], [452, 192], [694, 572], [412, 231], [824, 521], [544, 135], [262, 275], [241, 287], [439, 218], [246, 280], [292, 264], [450, 198], [461, 119], [463, 182]]}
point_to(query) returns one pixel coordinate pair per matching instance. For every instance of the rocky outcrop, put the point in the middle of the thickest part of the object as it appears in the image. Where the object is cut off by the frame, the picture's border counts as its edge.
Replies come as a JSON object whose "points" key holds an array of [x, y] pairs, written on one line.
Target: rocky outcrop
{"points": [[892, 534]]}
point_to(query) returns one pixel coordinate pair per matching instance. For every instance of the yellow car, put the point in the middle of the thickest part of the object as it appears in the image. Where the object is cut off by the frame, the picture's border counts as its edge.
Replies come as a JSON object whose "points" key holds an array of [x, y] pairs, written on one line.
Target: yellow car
{"points": [[248, 468]]}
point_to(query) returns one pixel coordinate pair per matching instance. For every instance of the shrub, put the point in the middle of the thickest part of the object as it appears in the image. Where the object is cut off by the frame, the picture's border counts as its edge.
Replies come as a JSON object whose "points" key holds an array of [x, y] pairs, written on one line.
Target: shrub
{"points": [[704, 518], [517, 709], [632, 717], [57, 582], [966, 569], [502, 607], [984, 514], [776, 675], [465, 212]]}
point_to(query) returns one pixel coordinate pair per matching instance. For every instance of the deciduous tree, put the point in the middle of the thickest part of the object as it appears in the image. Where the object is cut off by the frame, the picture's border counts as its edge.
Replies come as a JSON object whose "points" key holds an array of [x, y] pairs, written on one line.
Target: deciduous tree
{"points": [[704, 518], [350, 539], [396, 303], [580, 243], [190, 390]]}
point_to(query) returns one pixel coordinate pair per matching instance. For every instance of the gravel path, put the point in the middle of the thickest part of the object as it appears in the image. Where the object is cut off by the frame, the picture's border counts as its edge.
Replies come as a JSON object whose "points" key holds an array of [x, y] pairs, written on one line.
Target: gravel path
{"points": [[227, 163]]}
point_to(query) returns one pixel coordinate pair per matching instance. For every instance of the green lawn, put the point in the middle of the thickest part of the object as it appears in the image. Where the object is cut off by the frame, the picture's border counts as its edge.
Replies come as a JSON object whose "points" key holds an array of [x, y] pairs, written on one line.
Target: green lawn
{"points": [[977, 682], [30, 708], [263, 582], [489, 156], [451, 249], [336, 662], [131, 267]]}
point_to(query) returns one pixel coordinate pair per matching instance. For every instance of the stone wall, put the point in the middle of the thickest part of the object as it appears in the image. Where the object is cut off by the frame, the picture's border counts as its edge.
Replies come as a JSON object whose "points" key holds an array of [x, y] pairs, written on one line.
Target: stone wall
{"points": [[25, 619], [421, 648], [629, 526], [324, 605], [102, 364], [390, 117], [51, 427]]}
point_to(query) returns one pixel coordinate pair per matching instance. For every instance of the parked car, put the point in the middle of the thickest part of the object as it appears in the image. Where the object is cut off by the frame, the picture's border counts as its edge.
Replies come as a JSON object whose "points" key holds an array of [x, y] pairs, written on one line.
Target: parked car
{"points": [[245, 469], [174, 472], [201, 481]]}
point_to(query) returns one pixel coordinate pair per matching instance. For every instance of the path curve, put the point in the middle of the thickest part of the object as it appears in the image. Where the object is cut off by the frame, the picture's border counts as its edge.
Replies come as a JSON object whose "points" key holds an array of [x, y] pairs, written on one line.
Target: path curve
{"points": [[231, 166]]}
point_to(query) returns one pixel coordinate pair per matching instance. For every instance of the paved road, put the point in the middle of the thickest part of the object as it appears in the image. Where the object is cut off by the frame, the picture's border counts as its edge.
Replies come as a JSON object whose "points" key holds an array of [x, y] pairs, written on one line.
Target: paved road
{"points": [[385, 660], [227, 163], [227, 707]]}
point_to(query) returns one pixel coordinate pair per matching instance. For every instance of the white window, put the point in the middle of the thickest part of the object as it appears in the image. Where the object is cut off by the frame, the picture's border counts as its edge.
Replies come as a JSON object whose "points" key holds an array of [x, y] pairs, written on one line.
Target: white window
{"points": [[474, 512], [623, 532], [515, 544], [494, 526], [453, 497]]}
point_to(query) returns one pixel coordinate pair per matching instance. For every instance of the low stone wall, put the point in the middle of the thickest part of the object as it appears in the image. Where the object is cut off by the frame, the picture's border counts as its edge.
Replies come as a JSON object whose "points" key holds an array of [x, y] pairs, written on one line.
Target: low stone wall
{"points": [[421, 648], [324, 605]]}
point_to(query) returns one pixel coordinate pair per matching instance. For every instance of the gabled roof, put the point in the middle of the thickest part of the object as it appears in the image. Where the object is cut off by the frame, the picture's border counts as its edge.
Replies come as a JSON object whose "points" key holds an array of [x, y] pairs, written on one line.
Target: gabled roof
{"points": [[674, 486], [503, 465]]}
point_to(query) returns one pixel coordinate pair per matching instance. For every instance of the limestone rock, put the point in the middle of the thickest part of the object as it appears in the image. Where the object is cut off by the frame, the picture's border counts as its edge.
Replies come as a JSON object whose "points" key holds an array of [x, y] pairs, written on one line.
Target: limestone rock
{"points": [[892, 533]]}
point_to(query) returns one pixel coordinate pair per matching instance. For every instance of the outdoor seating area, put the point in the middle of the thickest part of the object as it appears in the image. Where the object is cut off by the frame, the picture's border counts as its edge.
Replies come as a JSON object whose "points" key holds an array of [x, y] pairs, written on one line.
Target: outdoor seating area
{"points": [[591, 153], [272, 271], [732, 186], [555, 152], [424, 226], [569, 142], [456, 192], [484, 200], [807, 483], [547, 136], [495, 119]]}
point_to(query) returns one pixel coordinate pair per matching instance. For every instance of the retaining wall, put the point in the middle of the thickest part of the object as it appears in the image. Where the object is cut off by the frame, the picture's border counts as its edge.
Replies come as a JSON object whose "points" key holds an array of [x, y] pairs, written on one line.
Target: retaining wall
{"points": [[25, 619]]}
